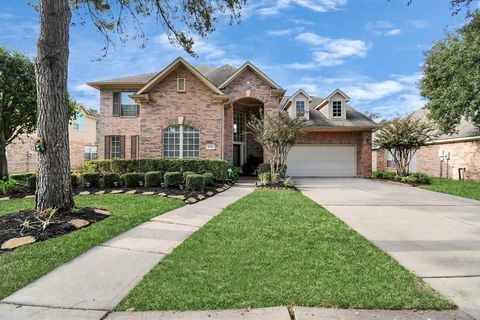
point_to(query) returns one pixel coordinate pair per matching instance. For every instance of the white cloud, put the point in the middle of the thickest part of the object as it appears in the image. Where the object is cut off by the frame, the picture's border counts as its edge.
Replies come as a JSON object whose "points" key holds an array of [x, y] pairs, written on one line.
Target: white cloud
{"points": [[332, 52], [204, 48], [275, 7], [301, 66], [393, 32], [283, 32], [382, 27], [418, 24], [374, 90]]}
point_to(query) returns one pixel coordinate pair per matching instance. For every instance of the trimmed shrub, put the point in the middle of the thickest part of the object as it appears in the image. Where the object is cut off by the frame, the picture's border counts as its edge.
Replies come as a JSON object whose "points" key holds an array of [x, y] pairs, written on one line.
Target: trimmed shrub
{"points": [[417, 177], [195, 182], [208, 177], [121, 166], [186, 174], [153, 179], [75, 179], [384, 174], [172, 179], [21, 177], [233, 173], [93, 179], [32, 182], [132, 180], [109, 180]]}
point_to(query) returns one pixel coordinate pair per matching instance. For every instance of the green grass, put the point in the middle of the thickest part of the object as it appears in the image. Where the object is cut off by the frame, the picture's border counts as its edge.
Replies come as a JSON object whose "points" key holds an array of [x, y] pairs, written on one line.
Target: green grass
{"points": [[462, 188], [275, 248], [26, 264]]}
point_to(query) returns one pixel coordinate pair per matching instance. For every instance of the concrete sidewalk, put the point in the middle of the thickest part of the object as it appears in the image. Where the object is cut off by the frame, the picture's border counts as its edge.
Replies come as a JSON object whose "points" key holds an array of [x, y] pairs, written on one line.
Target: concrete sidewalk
{"points": [[100, 278]]}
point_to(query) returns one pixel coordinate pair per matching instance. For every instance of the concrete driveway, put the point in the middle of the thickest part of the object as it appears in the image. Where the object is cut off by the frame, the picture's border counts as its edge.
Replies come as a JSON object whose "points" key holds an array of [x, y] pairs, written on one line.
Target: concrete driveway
{"points": [[436, 236]]}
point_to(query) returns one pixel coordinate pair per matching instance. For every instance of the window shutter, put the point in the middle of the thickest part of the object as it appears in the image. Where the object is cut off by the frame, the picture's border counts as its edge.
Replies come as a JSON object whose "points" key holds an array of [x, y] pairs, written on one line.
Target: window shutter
{"points": [[138, 109], [116, 104], [108, 142], [122, 147], [134, 147]]}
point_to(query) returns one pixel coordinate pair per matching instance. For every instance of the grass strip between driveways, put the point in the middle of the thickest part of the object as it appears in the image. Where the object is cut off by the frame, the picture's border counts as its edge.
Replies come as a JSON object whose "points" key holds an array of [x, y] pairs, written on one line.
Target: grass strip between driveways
{"points": [[26, 264], [275, 248], [461, 188]]}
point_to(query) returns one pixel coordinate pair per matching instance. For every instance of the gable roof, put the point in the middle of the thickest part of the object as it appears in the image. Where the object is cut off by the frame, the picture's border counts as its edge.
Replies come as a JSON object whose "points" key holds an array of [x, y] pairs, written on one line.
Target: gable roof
{"points": [[465, 129], [287, 102], [166, 71], [255, 70], [219, 75], [330, 96], [137, 79]]}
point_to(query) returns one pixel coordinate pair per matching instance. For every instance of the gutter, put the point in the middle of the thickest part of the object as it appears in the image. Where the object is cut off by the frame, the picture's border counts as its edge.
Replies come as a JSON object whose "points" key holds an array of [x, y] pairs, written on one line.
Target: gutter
{"points": [[462, 139]]}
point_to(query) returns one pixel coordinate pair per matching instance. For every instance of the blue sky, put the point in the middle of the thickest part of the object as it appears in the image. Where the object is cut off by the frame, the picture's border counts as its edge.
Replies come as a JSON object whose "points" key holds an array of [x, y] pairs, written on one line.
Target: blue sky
{"points": [[371, 49]]}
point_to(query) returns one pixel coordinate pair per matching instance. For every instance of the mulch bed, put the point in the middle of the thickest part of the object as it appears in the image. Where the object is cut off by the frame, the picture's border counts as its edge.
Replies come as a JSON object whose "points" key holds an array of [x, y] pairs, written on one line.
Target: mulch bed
{"points": [[168, 191], [278, 186], [11, 224], [411, 184]]}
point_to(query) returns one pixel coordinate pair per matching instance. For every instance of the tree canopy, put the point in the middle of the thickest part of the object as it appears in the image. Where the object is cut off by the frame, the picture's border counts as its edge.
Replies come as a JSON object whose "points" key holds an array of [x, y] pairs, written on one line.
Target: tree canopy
{"points": [[402, 137], [18, 100], [180, 19], [451, 77]]}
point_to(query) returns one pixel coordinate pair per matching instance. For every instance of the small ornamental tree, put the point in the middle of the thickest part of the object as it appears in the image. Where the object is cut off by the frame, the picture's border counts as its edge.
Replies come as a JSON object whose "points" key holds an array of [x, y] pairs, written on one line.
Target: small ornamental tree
{"points": [[402, 137], [277, 134]]}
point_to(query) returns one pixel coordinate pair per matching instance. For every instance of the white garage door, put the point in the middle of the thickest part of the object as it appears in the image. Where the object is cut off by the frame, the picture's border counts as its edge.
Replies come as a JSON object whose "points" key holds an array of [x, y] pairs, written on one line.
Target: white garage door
{"points": [[321, 161]]}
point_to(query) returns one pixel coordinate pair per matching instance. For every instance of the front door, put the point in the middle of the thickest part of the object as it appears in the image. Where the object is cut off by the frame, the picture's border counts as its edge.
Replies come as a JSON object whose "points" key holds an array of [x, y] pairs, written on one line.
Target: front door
{"points": [[237, 155]]}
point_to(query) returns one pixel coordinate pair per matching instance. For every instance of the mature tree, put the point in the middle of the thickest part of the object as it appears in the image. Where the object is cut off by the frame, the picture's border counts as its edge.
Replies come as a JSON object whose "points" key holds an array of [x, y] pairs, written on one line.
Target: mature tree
{"points": [[451, 77], [402, 137], [18, 101], [277, 134], [110, 17]]}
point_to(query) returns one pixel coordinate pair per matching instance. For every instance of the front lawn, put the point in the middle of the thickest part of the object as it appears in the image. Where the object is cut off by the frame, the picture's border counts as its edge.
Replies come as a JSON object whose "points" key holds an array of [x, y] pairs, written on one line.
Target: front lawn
{"points": [[462, 188], [275, 248], [26, 264]]}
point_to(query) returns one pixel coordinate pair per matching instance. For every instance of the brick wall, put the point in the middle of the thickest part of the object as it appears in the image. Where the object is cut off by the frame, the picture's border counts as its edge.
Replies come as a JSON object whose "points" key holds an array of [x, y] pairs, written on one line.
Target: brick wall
{"points": [[361, 139], [462, 155], [195, 105], [110, 125]]}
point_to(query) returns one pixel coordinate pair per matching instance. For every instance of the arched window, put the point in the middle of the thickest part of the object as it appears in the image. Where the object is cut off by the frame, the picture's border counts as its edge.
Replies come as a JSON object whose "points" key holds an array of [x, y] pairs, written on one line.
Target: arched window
{"points": [[181, 141]]}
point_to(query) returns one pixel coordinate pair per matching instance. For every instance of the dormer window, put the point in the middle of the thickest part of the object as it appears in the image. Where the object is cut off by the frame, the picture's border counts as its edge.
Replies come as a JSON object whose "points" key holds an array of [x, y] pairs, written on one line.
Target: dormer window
{"points": [[300, 108], [337, 109], [181, 84]]}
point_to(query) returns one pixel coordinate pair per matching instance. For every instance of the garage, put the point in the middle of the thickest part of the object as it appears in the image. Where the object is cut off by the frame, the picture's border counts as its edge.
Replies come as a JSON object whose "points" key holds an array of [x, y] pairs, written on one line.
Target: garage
{"points": [[322, 161]]}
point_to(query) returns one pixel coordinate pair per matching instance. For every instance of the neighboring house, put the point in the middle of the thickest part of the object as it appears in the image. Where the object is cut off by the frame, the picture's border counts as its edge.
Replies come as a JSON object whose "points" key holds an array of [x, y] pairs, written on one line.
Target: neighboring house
{"points": [[187, 112], [21, 153], [447, 156]]}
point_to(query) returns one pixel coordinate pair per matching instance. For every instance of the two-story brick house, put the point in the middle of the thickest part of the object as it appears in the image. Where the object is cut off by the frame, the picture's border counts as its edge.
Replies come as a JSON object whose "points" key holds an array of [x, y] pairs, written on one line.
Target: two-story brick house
{"points": [[185, 112]]}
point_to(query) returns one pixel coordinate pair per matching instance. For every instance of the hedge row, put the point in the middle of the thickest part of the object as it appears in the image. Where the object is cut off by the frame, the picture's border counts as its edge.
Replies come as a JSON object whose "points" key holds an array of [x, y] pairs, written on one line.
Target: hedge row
{"points": [[121, 166]]}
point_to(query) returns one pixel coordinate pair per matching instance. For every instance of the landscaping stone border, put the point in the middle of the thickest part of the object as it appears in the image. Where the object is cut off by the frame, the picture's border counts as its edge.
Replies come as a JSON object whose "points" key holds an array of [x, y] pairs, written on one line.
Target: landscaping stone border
{"points": [[190, 200]]}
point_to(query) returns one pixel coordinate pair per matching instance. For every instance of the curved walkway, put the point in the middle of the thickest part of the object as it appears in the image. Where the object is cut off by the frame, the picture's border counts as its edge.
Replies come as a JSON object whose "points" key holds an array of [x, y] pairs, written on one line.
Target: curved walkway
{"points": [[93, 284], [90, 286]]}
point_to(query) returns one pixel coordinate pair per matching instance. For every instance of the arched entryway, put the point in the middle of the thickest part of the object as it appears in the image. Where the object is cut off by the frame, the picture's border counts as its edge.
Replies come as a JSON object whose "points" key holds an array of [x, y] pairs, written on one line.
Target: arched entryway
{"points": [[247, 153]]}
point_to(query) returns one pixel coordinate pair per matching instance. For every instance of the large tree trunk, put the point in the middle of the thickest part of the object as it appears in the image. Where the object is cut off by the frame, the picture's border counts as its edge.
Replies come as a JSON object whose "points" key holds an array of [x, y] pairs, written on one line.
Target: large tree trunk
{"points": [[54, 188], [3, 157]]}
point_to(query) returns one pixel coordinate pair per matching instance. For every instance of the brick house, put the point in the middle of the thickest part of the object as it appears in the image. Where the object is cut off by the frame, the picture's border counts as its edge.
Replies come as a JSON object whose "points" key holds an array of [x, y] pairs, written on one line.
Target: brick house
{"points": [[82, 133], [184, 112], [447, 156]]}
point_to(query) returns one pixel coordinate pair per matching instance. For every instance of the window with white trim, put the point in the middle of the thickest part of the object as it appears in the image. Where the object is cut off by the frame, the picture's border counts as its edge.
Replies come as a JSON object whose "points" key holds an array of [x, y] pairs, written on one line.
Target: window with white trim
{"points": [[181, 84], [300, 108], [78, 123], [181, 141], [390, 163], [90, 152], [336, 109]]}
